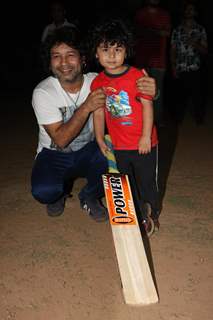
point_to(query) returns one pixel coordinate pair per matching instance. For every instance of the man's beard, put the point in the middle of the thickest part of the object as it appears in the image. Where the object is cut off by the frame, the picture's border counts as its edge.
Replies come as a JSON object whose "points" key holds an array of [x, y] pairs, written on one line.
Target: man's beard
{"points": [[71, 78]]}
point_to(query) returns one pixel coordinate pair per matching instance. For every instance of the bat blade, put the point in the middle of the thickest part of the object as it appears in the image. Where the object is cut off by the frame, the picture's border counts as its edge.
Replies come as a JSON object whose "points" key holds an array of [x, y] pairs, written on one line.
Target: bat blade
{"points": [[137, 282]]}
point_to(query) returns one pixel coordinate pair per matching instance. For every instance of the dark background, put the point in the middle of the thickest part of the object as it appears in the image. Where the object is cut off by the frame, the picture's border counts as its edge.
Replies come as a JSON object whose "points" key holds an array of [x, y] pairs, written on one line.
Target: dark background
{"points": [[34, 15], [23, 23]]}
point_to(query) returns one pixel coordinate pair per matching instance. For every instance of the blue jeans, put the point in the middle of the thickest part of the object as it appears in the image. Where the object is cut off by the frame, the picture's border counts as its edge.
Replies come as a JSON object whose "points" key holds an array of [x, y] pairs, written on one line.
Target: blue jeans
{"points": [[54, 172]]}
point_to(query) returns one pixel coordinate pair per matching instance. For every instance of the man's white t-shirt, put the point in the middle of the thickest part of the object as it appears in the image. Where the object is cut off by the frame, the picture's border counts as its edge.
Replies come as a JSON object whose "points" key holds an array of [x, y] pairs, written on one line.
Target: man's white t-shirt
{"points": [[51, 104]]}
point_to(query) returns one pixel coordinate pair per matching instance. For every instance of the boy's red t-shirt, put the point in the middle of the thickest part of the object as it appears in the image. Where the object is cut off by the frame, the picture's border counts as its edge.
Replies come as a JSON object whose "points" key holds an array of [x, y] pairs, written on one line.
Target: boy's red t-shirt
{"points": [[123, 112]]}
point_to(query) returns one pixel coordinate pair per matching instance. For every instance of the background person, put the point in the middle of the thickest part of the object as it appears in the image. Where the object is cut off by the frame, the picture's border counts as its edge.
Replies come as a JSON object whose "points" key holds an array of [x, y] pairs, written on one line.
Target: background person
{"points": [[57, 13], [188, 48], [153, 28]]}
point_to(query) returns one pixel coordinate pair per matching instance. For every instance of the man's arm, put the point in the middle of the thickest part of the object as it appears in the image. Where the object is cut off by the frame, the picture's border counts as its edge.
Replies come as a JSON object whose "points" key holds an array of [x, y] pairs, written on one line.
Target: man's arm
{"points": [[200, 45], [63, 133]]}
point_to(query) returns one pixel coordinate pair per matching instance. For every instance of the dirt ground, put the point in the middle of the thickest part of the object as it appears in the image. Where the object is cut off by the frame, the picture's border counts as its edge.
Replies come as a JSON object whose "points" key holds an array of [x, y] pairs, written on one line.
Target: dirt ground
{"points": [[65, 268]]}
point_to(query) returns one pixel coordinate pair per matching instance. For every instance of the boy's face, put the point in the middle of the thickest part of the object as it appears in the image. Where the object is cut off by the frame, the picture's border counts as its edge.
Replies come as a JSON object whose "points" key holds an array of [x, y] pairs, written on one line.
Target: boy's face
{"points": [[111, 57]]}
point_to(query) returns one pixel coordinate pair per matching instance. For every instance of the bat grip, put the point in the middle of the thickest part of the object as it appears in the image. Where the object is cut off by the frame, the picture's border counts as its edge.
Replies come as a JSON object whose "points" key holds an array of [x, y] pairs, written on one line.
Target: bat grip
{"points": [[112, 165]]}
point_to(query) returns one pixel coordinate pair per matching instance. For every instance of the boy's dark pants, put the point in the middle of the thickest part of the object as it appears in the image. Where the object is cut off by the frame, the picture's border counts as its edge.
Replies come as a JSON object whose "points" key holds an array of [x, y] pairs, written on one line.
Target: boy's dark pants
{"points": [[142, 171]]}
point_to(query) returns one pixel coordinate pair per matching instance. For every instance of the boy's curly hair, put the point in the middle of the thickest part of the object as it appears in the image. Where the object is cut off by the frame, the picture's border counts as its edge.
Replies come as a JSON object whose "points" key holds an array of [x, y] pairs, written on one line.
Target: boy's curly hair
{"points": [[68, 35], [110, 32]]}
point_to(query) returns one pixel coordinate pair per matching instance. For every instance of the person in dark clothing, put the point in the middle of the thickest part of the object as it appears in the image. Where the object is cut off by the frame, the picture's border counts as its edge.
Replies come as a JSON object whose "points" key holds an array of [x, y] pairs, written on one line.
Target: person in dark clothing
{"points": [[188, 48]]}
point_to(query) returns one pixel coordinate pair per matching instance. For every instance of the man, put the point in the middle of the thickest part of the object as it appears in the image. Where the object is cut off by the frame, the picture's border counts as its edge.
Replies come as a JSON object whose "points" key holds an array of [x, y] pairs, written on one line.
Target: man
{"points": [[58, 16], [153, 27], [188, 49], [63, 106]]}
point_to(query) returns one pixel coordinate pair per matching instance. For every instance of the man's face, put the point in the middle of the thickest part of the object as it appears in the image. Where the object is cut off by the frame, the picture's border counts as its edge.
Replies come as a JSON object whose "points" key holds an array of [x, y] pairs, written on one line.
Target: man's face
{"points": [[65, 63], [189, 11]]}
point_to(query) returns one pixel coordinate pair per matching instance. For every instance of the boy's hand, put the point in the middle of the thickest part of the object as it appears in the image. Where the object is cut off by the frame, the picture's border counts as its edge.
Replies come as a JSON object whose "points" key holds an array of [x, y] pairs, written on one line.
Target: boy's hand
{"points": [[144, 145], [103, 147]]}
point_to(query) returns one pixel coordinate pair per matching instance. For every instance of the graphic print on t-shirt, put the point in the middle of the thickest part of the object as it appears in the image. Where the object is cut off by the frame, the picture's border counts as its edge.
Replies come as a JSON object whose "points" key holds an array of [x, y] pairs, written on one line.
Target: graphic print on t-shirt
{"points": [[117, 103]]}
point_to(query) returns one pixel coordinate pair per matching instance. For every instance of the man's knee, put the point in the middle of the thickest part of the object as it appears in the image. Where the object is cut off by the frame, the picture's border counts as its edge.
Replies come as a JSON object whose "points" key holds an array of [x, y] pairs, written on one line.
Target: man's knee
{"points": [[46, 194]]}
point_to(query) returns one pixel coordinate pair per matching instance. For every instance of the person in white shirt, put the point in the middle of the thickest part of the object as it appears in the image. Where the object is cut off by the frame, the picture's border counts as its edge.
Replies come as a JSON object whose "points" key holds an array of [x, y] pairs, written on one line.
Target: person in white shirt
{"points": [[58, 16], [63, 105]]}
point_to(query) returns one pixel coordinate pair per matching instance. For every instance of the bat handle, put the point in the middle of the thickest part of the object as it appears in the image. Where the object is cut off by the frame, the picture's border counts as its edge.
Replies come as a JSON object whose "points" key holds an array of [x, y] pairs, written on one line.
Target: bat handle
{"points": [[112, 166]]}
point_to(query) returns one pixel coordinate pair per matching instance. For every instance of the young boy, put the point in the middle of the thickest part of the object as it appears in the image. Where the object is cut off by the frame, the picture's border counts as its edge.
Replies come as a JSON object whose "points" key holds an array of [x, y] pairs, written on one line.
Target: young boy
{"points": [[128, 115]]}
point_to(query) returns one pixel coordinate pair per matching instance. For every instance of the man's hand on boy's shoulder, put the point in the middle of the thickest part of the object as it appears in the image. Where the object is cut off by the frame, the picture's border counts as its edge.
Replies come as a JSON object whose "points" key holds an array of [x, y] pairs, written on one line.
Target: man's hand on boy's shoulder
{"points": [[147, 85]]}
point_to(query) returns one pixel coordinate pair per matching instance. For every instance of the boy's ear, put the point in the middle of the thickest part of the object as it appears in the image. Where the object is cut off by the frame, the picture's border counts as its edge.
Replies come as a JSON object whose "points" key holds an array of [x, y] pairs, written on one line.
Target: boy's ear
{"points": [[96, 55]]}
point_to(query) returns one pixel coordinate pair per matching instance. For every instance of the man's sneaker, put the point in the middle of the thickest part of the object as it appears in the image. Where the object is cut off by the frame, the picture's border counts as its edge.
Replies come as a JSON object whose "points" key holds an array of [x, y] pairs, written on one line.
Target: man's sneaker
{"points": [[95, 209], [148, 226], [57, 208]]}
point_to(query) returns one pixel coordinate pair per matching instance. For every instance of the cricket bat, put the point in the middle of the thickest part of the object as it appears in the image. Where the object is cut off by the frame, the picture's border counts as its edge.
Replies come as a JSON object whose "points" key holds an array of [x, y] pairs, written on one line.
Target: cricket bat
{"points": [[136, 278]]}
